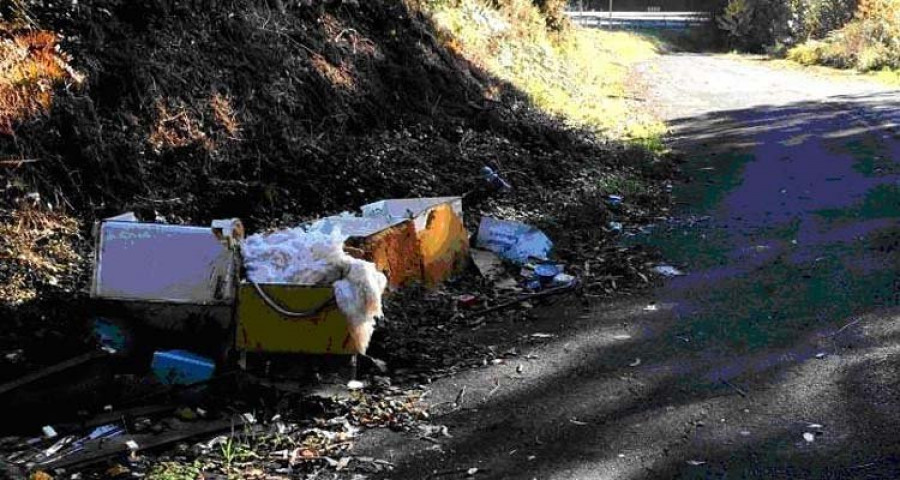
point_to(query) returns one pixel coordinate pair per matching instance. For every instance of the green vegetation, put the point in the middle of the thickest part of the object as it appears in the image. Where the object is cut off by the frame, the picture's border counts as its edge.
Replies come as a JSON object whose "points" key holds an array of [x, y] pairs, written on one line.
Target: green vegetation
{"points": [[871, 41], [579, 74], [858, 34]]}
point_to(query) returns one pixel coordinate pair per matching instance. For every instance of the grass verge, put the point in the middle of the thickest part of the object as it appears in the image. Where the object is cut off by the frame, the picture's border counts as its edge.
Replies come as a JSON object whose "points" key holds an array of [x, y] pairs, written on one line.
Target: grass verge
{"points": [[582, 75]]}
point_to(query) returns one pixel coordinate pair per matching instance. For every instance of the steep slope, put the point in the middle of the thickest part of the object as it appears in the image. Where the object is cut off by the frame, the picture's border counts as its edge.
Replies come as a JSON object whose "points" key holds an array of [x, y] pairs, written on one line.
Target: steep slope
{"points": [[274, 112]]}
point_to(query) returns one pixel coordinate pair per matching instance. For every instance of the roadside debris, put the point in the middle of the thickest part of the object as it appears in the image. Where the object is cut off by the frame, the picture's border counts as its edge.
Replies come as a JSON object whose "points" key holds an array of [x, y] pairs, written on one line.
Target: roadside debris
{"points": [[494, 180], [315, 289], [514, 241], [179, 367], [489, 265], [668, 271]]}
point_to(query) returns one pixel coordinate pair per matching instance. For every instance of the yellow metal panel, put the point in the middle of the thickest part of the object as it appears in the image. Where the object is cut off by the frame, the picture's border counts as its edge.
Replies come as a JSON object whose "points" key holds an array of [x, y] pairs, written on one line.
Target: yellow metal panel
{"points": [[262, 329], [395, 252], [444, 244]]}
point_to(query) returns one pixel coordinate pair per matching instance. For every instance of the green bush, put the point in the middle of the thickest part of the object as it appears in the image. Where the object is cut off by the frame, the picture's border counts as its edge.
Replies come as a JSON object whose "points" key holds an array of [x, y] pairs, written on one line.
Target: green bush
{"points": [[555, 13], [815, 19], [810, 53], [753, 25], [871, 41]]}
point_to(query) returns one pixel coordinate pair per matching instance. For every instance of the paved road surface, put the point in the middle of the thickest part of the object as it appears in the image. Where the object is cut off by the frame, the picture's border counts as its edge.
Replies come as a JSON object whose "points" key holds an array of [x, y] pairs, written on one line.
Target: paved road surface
{"points": [[775, 357]]}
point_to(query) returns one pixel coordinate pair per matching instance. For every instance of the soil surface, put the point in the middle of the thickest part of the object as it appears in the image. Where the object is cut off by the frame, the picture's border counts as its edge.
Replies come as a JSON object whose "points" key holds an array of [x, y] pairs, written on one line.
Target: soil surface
{"points": [[775, 356]]}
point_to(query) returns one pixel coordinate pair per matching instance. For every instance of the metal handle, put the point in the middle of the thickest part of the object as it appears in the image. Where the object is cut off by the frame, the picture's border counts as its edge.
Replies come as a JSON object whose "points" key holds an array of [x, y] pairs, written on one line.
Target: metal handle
{"points": [[284, 311]]}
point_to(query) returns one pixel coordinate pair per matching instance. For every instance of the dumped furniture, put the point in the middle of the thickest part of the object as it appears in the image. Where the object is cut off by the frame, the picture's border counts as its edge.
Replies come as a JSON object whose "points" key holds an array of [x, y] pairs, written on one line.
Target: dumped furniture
{"points": [[157, 280], [314, 289]]}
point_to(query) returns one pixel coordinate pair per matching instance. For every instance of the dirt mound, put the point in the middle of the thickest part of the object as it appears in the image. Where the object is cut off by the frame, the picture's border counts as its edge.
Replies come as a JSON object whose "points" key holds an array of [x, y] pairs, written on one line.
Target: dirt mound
{"points": [[277, 115]]}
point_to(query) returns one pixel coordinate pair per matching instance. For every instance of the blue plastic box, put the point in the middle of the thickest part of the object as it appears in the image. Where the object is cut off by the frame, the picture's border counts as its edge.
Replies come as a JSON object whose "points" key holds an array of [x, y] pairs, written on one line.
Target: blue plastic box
{"points": [[180, 367]]}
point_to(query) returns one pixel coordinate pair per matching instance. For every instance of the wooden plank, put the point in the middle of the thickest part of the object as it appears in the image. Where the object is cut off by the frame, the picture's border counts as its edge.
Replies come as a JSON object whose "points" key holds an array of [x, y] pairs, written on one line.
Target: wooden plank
{"points": [[52, 370]]}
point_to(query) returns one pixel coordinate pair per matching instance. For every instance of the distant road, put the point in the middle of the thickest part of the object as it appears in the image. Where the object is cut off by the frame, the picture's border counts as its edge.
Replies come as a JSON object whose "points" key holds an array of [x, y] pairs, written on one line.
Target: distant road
{"points": [[635, 20]]}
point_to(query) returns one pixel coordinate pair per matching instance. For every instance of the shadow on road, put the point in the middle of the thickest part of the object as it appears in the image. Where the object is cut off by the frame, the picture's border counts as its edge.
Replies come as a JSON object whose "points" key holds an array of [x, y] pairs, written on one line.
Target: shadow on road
{"points": [[775, 357]]}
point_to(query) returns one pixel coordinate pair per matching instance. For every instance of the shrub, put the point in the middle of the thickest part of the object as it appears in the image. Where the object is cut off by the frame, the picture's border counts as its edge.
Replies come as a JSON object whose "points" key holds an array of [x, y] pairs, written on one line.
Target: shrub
{"points": [[871, 41], [810, 53], [815, 19], [751, 25], [555, 13]]}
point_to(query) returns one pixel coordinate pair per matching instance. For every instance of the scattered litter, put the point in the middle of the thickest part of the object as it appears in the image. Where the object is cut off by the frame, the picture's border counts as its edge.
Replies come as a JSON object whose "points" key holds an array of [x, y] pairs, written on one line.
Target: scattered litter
{"points": [[809, 437], [109, 335], [546, 272], [668, 271], [432, 431], [179, 367], [471, 472], [513, 241], [355, 385], [489, 265], [132, 445], [635, 363], [622, 337], [821, 355], [695, 463], [616, 227], [651, 308], [563, 280], [814, 426], [614, 200], [467, 300], [494, 180], [14, 356], [542, 335], [578, 422], [49, 431]]}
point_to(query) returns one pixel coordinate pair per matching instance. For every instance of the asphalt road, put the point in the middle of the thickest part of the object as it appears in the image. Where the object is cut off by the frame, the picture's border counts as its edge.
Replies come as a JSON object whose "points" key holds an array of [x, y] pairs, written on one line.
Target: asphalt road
{"points": [[776, 356]]}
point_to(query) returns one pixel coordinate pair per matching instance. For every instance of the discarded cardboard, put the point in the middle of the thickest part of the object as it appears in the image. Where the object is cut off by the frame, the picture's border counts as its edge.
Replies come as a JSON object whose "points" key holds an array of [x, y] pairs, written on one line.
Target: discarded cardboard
{"points": [[513, 241], [488, 263]]}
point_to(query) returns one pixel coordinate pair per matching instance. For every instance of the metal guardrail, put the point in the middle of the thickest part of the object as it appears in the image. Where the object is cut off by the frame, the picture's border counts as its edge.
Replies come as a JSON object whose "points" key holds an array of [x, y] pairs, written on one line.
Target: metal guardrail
{"points": [[640, 19]]}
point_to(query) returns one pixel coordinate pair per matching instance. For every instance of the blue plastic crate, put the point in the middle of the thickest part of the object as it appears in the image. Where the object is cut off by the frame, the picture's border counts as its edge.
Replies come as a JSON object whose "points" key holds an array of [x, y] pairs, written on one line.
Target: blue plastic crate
{"points": [[180, 367]]}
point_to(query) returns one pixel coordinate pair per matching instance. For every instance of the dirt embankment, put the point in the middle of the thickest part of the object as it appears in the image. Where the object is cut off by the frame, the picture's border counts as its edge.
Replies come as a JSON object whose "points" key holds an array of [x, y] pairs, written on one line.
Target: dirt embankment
{"points": [[273, 115]]}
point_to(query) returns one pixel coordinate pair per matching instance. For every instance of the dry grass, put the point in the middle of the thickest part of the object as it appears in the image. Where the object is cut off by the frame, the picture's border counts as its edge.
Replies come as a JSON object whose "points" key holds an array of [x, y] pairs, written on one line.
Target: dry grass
{"points": [[36, 247], [582, 75], [31, 65], [340, 76], [177, 127], [223, 112], [207, 125]]}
